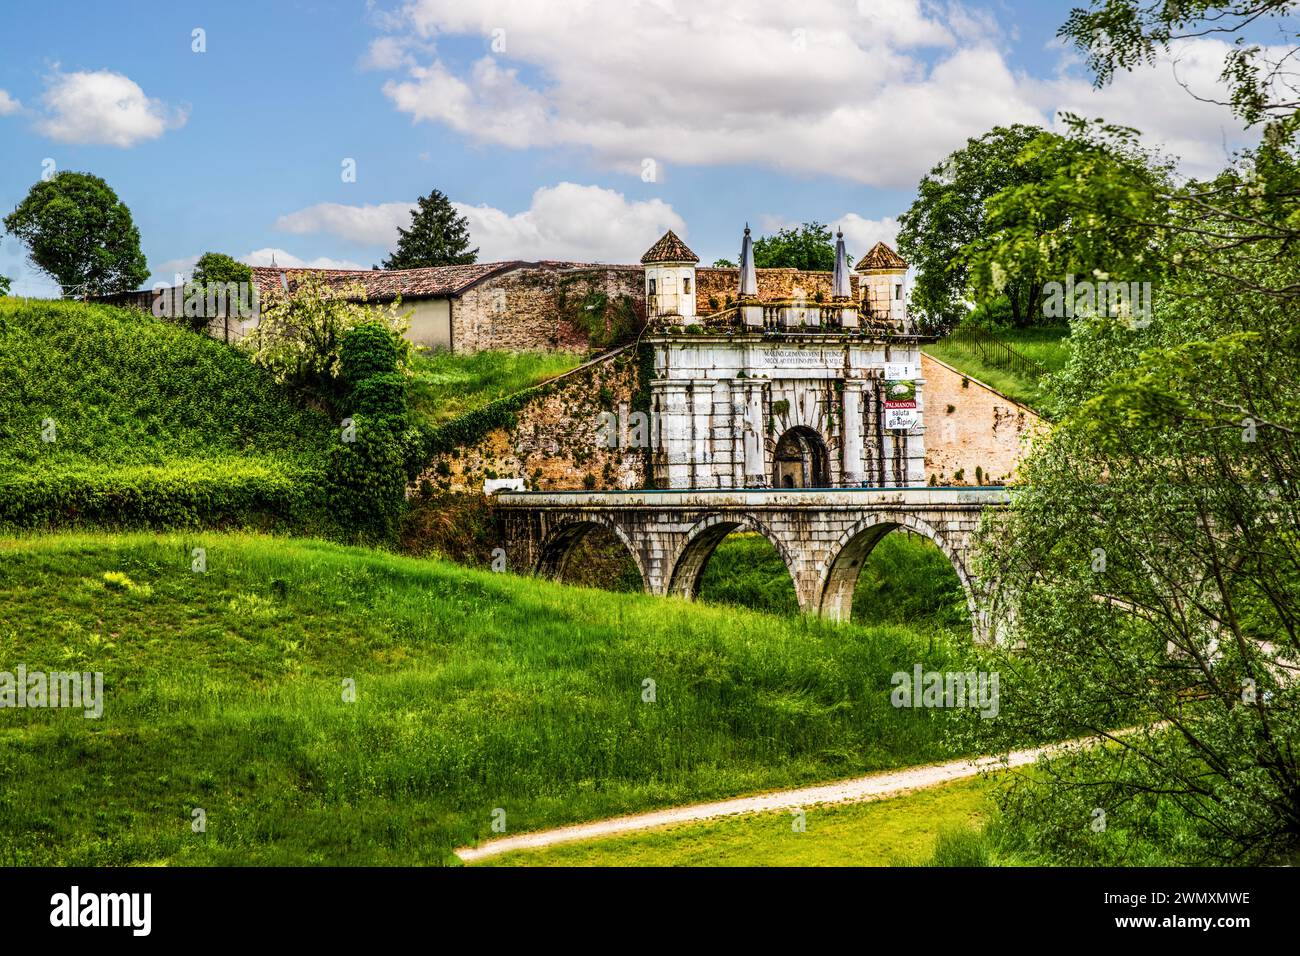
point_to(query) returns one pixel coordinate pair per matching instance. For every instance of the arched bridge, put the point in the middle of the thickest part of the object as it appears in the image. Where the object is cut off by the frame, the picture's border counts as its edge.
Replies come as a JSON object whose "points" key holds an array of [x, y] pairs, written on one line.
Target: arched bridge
{"points": [[824, 535]]}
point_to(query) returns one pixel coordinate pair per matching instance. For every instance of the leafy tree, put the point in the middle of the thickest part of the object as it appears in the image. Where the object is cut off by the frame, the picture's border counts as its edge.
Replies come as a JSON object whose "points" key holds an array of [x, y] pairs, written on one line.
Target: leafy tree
{"points": [[723, 264], [1121, 34], [810, 247], [439, 236], [1061, 219], [949, 214], [1262, 191], [1152, 553], [369, 467], [4, 286], [78, 231], [217, 267]]}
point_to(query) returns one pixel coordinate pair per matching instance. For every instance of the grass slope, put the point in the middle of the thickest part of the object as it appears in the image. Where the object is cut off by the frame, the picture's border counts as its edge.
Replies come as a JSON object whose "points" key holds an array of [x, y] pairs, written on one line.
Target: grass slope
{"points": [[445, 386], [898, 831], [149, 422], [474, 691], [1047, 346]]}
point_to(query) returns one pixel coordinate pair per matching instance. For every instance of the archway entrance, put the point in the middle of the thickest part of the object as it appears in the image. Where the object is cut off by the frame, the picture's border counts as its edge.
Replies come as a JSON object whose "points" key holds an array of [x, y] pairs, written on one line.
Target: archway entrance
{"points": [[801, 460]]}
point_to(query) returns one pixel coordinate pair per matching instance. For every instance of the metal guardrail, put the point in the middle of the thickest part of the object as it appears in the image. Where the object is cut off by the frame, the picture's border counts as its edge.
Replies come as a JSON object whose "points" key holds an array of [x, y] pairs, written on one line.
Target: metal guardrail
{"points": [[994, 351]]}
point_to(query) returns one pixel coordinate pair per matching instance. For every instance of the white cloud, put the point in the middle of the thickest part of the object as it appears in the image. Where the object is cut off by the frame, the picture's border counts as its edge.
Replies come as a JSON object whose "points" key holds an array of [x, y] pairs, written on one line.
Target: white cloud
{"points": [[1160, 102], [184, 266], [877, 95], [368, 225], [861, 234], [103, 107], [263, 257], [8, 104], [565, 221]]}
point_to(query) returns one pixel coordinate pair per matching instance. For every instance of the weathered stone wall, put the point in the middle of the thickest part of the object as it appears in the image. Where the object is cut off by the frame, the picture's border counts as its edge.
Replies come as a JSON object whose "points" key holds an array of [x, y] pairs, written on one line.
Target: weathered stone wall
{"points": [[773, 284], [554, 443], [971, 428], [533, 308]]}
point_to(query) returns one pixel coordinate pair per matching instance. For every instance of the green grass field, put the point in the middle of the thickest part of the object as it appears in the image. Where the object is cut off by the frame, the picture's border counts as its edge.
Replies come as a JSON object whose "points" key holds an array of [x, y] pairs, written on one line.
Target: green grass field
{"points": [[1047, 346], [111, 414], [474, 691], [898, 831], [445, 386]]}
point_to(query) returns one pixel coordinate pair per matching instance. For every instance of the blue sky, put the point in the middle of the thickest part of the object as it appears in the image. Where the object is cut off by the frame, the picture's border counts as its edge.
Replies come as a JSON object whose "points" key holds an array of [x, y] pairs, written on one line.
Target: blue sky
{"points": [[574, 130]]}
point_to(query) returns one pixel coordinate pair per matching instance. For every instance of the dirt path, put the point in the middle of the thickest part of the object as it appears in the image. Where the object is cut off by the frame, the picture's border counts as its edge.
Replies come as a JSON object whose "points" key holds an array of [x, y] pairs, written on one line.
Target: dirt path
{"points": [[873, 787]]}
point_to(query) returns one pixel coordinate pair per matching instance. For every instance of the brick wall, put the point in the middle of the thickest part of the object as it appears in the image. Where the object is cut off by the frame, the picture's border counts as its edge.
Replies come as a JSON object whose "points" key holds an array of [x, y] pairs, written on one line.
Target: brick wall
{"points": [[521, 310], [984, 429]]}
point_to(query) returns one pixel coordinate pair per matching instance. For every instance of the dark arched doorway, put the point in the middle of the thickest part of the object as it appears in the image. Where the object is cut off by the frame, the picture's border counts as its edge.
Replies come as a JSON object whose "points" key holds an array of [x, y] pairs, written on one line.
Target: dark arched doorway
{"points": [[801, 460]]}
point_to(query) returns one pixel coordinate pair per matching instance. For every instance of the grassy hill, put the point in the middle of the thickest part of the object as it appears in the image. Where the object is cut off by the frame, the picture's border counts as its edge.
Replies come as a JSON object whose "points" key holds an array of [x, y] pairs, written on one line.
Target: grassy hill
{"points": [[474, 691], [1046, 346], [112, 416], [445, 386]]}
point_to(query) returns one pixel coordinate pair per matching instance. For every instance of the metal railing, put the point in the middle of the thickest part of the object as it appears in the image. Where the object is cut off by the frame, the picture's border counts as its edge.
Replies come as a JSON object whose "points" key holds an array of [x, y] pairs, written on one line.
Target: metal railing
{"points": [[993, 351]]}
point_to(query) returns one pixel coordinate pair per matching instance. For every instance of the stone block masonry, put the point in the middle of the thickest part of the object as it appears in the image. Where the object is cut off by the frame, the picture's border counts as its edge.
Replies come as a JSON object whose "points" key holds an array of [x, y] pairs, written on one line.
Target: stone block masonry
{"points": [[822, 535]]}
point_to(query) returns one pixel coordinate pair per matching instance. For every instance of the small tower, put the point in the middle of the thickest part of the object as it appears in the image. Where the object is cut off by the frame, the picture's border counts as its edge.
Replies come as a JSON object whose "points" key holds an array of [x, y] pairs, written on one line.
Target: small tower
{"points": [[883, 274], [670, 280], [841, 289], [751, 310]]}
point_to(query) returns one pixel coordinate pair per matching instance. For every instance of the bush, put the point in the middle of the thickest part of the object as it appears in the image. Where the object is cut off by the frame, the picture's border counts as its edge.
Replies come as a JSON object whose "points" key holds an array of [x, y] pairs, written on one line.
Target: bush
{"points": [[366, 480], [368, 476], [153, 427], [379, 396], [369, 349]]}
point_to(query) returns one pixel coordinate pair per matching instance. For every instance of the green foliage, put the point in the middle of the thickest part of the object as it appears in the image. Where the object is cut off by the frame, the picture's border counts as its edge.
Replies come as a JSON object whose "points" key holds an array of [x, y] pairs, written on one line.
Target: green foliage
{"points": [[439, 236], [369, 467], [366, 478], [371, 348], [150, 425], [474, 690], [78, 231], [217, 267], [381, 396], [1173, 462], [949, 213], [1064, 219], [810, 247], [4, 286], [300, 334]]}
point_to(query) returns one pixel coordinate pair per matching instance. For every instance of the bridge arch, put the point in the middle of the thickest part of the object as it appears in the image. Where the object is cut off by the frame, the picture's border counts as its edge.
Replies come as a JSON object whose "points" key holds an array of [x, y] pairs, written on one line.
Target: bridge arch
{"points": [[850, 553], [558, 545], [703, 538]]}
